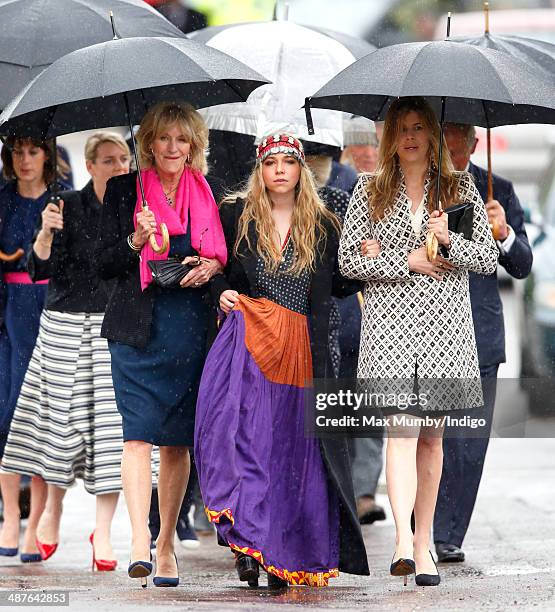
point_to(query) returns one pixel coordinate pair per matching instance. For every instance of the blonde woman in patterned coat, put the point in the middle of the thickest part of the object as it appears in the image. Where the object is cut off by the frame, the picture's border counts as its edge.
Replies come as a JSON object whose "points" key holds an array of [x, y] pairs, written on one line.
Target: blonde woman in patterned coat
{"points": [[417, 322]]}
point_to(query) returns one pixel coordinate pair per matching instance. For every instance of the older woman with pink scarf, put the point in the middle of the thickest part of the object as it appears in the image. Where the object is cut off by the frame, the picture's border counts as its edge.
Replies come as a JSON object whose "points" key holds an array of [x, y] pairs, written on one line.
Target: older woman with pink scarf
{"points": [[157, 335]]}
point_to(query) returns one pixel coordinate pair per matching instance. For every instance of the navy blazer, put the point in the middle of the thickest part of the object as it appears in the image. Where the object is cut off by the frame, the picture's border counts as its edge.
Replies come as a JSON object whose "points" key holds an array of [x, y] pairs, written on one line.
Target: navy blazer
{"points": [[487, 309]]}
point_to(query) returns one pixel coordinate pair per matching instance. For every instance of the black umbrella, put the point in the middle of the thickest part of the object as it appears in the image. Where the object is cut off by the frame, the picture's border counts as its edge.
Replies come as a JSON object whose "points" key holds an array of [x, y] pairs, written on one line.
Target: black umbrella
{"points": [[465, 84], [115, 82], [357, 46], [36, 33], [539, 53], [480, 86], [101, 80]]}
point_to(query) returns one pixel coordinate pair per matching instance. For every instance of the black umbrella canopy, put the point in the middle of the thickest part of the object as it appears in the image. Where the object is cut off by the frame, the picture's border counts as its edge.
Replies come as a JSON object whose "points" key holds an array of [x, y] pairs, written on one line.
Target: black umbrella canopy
{"points": [[357, 46], [84, 89], [36, 33], [481, 86], [541, 53]]}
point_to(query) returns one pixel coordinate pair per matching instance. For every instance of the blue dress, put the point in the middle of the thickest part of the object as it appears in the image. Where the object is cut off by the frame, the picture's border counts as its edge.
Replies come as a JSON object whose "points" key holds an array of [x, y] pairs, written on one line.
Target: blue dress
{"points": [[156, 386], [22, 303]]}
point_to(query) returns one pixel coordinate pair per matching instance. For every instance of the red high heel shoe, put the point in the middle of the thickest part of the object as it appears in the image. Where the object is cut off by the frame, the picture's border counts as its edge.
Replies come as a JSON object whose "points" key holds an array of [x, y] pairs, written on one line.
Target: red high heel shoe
{"points": [[46, 550], [102, 565]]}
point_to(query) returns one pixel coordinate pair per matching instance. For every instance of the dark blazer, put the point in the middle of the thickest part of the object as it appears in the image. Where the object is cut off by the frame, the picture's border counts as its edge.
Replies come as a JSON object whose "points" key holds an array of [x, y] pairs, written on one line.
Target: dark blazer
{"points": [[487, 309], [74, 285], [240, 274], [128, 314]]}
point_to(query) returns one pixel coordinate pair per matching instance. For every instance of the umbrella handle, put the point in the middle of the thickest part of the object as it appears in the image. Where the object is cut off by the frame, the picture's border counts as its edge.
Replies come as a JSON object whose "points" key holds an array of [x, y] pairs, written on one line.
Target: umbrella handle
{"points": [[163, 228], [432, 246], [18, 254], [165, 240]]}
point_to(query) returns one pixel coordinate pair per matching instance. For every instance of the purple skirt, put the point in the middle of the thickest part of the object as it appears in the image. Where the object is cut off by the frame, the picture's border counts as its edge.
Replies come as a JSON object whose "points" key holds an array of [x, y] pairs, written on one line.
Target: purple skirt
{"points": [[264, 484]]}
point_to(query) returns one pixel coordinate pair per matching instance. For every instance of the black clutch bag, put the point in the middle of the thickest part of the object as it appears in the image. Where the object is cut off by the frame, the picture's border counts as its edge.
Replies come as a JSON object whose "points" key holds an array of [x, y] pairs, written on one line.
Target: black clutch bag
{"points": [[460, 219], [168, 273]]}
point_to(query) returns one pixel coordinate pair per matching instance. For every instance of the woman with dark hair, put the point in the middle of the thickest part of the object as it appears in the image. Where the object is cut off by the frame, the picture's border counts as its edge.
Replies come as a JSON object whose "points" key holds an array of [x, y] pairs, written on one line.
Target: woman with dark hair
{"points": [[417, 322], [66, 424], [279, 500], [29, 169], [156, 335]]}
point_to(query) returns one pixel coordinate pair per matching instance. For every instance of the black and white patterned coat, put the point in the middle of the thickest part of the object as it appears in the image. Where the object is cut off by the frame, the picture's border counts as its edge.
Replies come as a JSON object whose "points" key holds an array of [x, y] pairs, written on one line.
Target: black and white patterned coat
{"points": [[412, 320]]}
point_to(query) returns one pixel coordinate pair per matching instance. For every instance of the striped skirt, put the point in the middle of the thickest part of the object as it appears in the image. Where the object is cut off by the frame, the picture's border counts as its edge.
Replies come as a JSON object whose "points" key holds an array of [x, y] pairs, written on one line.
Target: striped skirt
{"points": [[66, 424]]}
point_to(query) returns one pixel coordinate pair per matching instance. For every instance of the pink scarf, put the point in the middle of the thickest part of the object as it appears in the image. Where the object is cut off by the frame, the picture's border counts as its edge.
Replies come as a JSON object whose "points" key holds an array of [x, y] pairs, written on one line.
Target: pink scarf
{"points": [[193, 196]]}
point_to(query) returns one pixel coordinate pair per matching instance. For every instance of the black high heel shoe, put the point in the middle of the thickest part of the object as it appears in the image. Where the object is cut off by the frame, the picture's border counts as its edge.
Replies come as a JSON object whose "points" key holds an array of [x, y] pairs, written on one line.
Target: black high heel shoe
{"points": [[402, 567], [428, 579], [275, 583], [140, 569], [248, 569]]}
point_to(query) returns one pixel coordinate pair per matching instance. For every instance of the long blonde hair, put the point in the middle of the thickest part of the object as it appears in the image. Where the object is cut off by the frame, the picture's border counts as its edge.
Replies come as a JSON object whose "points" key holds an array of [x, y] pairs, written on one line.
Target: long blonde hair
{"points": [[307, 230], [160, 117], [383, 186]]}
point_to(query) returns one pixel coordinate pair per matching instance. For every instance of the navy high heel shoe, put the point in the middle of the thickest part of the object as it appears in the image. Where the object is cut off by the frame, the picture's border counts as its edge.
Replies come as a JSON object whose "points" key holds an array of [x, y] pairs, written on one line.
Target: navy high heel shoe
{"points": [[164, 581], [402, 567], [140, 569], [8, 552], [30, 557], [428, 579]]}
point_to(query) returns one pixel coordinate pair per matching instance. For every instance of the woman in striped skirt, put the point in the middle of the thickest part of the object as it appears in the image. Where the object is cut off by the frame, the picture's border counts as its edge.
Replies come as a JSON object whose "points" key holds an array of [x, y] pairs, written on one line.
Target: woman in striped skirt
{"points": [[66, 424]]}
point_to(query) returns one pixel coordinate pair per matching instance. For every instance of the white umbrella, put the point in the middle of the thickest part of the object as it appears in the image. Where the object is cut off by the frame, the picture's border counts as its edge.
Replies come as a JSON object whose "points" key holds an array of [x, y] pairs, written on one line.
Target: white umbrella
{"points": [[298, 61]]}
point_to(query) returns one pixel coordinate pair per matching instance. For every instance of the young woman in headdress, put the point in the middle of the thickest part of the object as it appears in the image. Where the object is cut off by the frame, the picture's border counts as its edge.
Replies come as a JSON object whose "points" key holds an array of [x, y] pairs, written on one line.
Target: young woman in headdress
{"points": [[279, 500]]}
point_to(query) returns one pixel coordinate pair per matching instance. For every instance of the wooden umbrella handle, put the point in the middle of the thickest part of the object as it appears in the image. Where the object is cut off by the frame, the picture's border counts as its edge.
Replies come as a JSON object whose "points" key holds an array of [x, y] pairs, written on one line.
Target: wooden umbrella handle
{"points": [[163, 228], [18, 254]]}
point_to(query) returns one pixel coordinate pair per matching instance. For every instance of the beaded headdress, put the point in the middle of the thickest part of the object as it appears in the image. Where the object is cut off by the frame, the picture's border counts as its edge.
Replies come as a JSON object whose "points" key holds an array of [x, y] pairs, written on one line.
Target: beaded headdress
{"points": [[280, 143]]}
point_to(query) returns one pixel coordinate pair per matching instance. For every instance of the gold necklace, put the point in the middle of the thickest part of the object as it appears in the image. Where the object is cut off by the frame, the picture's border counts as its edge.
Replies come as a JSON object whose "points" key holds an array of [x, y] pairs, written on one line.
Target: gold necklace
{"points": [[169, 200]]}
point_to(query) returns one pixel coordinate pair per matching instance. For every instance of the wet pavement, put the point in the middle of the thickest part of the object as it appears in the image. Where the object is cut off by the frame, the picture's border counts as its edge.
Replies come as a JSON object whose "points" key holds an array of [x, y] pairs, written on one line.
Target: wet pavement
{"points": [[510, 557], [510, 547]]}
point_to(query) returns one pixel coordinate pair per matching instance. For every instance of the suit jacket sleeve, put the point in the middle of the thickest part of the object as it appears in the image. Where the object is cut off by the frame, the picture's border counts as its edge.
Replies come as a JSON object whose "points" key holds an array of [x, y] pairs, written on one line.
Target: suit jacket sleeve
{"points": [[390, 265], [341, 286], [112, 254], [60, 264], [479, 254], [518, 261]]}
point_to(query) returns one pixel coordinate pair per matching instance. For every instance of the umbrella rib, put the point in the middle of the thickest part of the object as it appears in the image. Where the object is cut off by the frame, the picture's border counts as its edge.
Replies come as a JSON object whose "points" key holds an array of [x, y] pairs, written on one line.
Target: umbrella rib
{"points": [[386, 100], [498, 78], [233, 88]]}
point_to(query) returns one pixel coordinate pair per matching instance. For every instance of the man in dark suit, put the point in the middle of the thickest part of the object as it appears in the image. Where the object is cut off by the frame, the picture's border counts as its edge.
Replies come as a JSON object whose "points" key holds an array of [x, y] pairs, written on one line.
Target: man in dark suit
{"points": [[464, 456]]}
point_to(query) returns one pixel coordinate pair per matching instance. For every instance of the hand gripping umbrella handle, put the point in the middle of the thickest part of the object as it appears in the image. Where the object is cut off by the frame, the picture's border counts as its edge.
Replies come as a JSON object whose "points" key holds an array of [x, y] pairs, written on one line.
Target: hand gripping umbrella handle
{"points": [[432, 245], [163, 228], [18, 254]]}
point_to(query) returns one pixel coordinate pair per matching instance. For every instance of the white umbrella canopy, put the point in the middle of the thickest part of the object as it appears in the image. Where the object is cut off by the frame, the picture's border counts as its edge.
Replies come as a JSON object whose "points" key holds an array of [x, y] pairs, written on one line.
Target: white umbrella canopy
{"points": [[298, 61]]}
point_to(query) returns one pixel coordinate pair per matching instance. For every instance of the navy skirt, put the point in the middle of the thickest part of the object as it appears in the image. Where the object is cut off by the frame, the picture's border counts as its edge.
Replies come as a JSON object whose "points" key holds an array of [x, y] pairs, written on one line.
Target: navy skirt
{"points": [[156, 386]]}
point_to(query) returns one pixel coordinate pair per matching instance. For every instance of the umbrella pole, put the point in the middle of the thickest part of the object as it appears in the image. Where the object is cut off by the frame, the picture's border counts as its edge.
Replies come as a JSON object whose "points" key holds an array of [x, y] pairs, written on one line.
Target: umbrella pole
{"points": [[490, 176], [432, 244], [437, 203], [494, 229], [163, 228], [488, 137]]}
